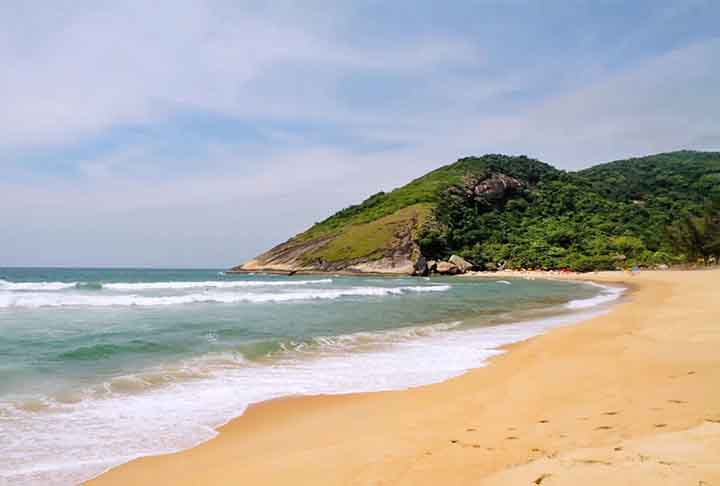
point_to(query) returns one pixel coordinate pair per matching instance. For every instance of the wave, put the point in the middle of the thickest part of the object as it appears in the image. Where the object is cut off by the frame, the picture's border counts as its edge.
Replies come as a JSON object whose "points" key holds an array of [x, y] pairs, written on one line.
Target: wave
{"points": [[347, 342], [104, 351], [212, 284], [60, 300], [287, 348], [608, 294], [138, 286], [5, 285]]}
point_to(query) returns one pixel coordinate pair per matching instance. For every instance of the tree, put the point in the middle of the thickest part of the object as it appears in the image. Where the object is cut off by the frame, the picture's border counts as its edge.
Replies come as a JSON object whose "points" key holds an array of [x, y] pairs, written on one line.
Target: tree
{"points": [[698, 236]]}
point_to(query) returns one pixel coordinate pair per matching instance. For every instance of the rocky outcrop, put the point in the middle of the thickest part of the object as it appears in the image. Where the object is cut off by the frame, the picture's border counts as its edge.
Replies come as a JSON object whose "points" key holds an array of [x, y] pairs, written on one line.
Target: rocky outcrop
{"points": [[492, 190], [462, 264], [454, 266], [497, 187], [421, 267], [447, 268]]}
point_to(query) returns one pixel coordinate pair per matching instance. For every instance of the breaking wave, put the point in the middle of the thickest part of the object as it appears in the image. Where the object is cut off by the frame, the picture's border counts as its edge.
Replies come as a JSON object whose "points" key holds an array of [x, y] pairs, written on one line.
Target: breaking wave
{"points": [[40, 299], [137, 286]]}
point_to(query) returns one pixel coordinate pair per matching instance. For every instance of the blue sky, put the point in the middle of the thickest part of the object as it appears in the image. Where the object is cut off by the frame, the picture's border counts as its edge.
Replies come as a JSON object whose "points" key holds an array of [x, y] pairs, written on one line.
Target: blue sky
{"points": [[191, 133]]}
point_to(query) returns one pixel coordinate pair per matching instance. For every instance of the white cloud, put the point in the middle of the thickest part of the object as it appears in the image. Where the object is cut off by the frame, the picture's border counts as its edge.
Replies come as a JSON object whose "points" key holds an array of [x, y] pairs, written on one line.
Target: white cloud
{"points": [[77, 71], [665, 103]]}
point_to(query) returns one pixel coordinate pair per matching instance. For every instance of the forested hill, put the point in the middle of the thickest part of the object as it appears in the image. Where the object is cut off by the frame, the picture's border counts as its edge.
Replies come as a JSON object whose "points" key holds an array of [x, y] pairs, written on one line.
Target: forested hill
{"points": [[516, 212]]}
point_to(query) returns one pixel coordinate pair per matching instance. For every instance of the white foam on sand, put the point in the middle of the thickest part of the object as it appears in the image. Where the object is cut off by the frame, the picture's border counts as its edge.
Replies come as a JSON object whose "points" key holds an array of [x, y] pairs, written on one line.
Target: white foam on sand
{"points": [[606, 295]]}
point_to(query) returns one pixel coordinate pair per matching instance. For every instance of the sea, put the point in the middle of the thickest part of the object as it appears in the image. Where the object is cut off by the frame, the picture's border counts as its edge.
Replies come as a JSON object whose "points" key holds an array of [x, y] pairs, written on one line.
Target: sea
{"points": [[101, 366]]}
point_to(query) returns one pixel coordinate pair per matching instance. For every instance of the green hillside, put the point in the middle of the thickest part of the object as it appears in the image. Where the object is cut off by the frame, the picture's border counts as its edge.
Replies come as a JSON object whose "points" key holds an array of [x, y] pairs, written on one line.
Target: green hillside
{"points": [[518, 212], [428, 189]]}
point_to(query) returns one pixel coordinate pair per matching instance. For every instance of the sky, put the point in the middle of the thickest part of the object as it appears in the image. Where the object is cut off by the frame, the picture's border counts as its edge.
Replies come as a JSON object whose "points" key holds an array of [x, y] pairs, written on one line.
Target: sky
{"points": [[200, 133]]}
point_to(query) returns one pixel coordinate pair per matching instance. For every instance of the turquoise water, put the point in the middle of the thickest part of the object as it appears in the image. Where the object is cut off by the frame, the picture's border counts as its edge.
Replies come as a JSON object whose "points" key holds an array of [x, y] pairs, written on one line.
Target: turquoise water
{"points": [[99, 366]]}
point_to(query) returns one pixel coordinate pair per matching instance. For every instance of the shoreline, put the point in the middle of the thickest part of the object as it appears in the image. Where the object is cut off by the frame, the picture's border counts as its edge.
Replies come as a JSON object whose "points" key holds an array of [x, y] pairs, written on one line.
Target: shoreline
{"points": [[273, 435]]}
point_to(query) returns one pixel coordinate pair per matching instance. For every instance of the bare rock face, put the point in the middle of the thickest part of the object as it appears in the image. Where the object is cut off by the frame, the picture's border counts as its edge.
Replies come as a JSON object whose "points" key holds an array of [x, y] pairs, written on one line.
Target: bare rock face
{"points": [[447, 268], [420, 268], [491, 190], [462, 264], [497, 187]]}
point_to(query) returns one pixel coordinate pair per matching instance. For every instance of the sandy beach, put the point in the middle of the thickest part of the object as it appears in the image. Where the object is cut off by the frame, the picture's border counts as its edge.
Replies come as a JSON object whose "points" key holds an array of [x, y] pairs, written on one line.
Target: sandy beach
{"points": [[630, 397]]}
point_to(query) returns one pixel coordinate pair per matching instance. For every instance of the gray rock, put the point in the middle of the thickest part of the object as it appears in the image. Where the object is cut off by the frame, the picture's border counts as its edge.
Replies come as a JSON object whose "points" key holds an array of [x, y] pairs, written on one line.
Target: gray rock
{"points": [[420, 268], [492, 190], [496, 187], [447, 268], [462, 264]]}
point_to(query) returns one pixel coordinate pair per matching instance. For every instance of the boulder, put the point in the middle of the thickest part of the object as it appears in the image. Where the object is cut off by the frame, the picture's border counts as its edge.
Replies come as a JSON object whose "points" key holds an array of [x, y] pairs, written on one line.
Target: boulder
{"points": [[420, 268], [497, 187], [662, 266], [432, 266], [447, 268], [494, 189], [462, 264]]}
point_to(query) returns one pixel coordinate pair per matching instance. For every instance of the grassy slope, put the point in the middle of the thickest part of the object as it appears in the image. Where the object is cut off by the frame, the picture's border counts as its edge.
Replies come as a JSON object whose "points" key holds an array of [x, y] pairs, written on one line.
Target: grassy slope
{"points": [[374, 239]]}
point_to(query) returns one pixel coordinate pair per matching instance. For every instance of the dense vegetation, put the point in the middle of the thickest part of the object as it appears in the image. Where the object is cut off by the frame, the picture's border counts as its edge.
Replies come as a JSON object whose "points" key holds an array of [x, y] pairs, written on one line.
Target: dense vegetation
{"points": [[613, 215], [499, 211], [699, 237]]}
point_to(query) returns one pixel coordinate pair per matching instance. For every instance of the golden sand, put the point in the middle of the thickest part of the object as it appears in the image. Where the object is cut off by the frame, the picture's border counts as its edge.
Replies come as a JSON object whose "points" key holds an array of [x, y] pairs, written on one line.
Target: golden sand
{"points": [[632, 397]]}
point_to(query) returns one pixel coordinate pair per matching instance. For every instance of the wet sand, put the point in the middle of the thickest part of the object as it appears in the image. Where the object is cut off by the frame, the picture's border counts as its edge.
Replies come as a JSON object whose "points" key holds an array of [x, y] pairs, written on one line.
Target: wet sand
{"points": [[631, 397]]}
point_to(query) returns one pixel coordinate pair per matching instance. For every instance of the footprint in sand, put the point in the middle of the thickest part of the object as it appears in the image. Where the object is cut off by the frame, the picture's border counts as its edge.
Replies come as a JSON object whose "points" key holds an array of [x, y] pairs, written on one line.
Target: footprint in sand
{"points": [[611, 413], [543, 421], [469, 430], [660, 426], [603, 427], [541, 478], [679, 402], [474, 446]]}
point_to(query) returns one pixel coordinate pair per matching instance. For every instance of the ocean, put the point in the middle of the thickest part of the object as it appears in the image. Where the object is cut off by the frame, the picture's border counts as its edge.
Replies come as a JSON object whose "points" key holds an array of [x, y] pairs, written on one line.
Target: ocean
{"points": [[100, 366]]}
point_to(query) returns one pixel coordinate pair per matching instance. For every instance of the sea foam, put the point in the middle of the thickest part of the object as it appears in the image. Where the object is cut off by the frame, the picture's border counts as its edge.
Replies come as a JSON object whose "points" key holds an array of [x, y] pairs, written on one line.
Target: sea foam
{"points": [[607, 295]]}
